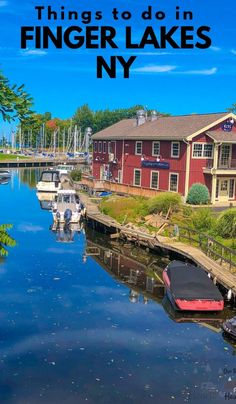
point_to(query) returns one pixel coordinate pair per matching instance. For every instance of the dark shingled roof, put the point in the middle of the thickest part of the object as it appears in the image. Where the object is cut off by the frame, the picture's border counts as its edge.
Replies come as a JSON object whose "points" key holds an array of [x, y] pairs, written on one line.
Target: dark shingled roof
{"points": [[221, 136], [171, 127]]}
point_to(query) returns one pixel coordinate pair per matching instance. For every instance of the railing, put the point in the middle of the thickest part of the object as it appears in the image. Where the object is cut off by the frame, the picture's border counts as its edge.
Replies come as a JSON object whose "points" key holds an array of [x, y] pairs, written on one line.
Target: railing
{"points": [[226, 164], [211, 247]]}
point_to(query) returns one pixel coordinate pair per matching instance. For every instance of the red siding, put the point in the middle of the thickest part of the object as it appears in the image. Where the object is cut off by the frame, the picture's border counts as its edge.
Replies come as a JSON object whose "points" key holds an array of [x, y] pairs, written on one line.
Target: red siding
{"points": [[131, 161]]}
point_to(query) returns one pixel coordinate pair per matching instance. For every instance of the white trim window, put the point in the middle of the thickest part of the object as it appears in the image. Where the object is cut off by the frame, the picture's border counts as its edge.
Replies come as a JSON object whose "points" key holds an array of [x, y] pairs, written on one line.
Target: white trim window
{"points": [[154, 180], [202, 150], [137, 177], [99, 147], [175, 149], [156, 149], [138, 148], [95, 147], [173, 182], [104, 147]]}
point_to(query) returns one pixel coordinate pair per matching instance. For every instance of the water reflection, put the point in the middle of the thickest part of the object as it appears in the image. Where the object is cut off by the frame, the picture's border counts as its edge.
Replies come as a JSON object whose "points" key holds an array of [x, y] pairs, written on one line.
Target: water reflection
{"points": [[46, 200], [74, 326], [65, 233]]}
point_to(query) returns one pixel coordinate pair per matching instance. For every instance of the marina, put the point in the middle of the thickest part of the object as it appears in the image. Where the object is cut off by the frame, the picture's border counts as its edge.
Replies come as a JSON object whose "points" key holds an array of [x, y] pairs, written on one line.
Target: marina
{"points": [[83, 302]]}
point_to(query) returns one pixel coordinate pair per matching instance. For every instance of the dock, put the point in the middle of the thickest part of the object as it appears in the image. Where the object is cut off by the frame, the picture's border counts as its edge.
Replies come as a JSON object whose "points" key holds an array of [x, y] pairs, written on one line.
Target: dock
{"points": [[39, 162], [219, 273]]}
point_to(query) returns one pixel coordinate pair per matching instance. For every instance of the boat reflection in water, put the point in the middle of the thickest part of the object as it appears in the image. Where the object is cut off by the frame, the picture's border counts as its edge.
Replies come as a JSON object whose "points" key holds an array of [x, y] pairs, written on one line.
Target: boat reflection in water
{"points": [[142, 272], [46, 200], [4, 181], [65, 233]]}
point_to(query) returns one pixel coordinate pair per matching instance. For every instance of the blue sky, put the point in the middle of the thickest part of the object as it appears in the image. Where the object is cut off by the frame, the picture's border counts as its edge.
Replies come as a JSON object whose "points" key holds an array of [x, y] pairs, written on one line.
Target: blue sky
{"points": [[175, 81]]}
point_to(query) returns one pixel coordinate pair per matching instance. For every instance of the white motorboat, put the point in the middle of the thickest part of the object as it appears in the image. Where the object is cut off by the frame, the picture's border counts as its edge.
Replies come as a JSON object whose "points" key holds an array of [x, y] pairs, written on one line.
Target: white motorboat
{"points": [[67, 208], [49, 181], [64, 169], [5, 174]]}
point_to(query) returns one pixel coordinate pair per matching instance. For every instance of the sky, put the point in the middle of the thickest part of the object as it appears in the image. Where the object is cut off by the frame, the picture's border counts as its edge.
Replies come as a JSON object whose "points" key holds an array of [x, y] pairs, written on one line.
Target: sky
{"points": [[170, 80]]}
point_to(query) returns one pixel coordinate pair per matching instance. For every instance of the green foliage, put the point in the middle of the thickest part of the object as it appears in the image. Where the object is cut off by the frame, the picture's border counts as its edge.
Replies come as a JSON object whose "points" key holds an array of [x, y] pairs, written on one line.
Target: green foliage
{"points": [[15, 102], [202, 219], [76, 175], [5, 239], [232, 108], [101, 119], [124, 209], [226, 224], [198, 195], [164, 201]]}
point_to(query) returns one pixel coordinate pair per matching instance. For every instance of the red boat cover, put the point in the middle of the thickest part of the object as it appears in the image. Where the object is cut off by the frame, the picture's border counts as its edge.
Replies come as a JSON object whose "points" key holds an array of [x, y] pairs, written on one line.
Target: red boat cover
{"points": [[188, 282]]}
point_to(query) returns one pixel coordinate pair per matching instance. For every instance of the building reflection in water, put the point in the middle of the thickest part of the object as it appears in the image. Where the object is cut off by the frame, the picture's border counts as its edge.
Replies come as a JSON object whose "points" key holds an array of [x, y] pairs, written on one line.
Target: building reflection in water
{"points": [[142, 272], [134, 267]]}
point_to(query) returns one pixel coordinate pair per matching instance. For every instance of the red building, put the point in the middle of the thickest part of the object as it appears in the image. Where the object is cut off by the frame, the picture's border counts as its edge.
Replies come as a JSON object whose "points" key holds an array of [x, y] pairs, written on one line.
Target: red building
{"points": [[170, 153]]}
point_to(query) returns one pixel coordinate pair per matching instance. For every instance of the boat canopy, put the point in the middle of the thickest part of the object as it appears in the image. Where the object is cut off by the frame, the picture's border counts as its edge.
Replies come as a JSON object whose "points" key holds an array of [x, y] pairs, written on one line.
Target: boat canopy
{"points": [[191, 283], [50, 176]]}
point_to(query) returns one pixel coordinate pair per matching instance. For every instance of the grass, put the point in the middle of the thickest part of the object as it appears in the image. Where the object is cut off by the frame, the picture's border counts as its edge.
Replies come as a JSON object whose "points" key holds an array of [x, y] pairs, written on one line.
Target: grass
{"points": [[4, 157], [124, 209], [203, 220]]}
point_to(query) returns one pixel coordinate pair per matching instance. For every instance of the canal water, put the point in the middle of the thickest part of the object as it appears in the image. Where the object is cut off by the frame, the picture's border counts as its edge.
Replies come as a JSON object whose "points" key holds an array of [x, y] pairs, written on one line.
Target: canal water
{"points": [[86, 321]]}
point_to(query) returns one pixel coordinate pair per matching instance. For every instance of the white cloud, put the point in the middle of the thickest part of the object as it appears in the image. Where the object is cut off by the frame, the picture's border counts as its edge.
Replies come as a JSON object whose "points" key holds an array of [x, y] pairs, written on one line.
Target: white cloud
{"points": [[155, 69], [28, 227], [33, 52], [215, 48], [204, 72], [233, 51], [3, 3]]}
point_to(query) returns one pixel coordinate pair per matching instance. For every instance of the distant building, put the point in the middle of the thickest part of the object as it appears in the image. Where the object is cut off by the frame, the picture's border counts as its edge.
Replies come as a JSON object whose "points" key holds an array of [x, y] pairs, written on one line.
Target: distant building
{"points": [[170, 153]]}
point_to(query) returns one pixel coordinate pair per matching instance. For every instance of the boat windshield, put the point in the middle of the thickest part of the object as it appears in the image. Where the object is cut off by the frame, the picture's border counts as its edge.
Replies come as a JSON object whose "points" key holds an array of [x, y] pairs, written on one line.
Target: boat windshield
{"points": [[65, 167], [48, 177], [66, 198]]}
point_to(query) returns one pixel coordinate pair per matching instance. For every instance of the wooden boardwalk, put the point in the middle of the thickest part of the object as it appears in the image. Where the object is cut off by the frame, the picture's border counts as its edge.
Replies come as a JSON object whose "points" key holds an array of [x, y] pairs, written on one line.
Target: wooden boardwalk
{"points": [[220, 273]]}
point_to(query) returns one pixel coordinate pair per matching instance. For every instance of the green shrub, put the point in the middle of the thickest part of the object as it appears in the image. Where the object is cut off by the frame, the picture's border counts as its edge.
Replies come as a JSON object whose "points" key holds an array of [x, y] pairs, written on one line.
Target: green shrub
{"points": [[76, 175], [226, 224], [198, 195], [164, 201], [202, 219]]}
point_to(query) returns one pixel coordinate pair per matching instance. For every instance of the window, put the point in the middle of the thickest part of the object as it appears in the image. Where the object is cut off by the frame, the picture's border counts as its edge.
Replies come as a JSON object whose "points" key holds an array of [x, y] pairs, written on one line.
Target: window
{"points": [[154, 179], [231, 188], [155, 148], [208, 150], [173, 182], [203, 150], [137, 178], [100, 147], [138, 148], [109, 148], [197, 149], [95, 147], [104, 147], [175, 147]]}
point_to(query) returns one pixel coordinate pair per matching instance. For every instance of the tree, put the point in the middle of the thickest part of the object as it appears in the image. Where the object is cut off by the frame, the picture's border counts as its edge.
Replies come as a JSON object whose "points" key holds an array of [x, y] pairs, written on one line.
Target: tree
{"points": [[232, 108], [15, 102], [101, 119], [5, 239]]}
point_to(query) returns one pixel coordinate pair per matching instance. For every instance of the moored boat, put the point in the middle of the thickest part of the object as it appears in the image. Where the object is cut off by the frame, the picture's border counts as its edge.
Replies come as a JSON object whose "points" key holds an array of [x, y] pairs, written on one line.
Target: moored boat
{"points": [[190, 289], [49, 181], [5, 174], [65, 169], [229, 327], [67, 208]]}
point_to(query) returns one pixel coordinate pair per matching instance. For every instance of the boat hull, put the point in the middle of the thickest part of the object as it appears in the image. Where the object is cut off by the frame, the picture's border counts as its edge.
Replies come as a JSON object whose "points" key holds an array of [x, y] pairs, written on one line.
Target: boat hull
{"points": [[41, 187], [191, 305]]}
